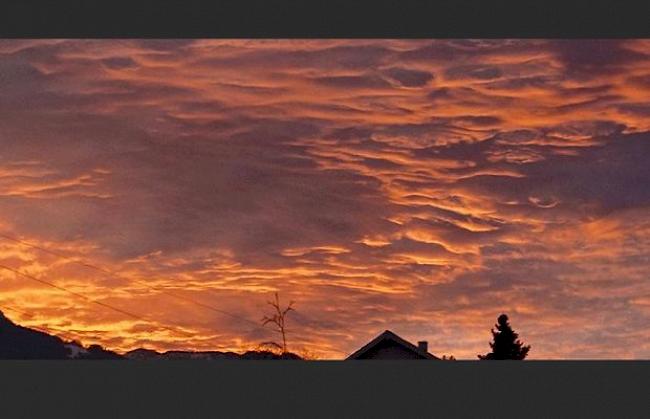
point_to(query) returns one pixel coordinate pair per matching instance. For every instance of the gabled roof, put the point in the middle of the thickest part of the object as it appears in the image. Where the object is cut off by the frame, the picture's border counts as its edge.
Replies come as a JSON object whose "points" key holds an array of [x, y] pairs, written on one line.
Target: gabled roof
{"points": [[387, 335]]}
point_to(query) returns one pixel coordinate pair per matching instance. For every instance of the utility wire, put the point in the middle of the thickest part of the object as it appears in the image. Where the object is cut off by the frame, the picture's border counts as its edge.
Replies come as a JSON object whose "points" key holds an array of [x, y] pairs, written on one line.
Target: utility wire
{"points": [[108, 306], [143, 283], [40, 329]]}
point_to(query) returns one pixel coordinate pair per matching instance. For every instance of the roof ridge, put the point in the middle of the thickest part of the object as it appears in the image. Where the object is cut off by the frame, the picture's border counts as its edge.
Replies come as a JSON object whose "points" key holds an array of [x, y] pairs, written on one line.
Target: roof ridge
{"points": [[388, 334]]}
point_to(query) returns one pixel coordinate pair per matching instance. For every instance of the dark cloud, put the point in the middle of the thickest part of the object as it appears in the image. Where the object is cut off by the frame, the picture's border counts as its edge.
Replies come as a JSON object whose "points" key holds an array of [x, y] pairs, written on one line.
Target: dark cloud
{"points": [[607, 176], [346, 57], [343, 174], [641, 81], [409, 78], [441, 93], [119, 62], [586, 58], [18, 72], [516, 83], [163, 45], [639, 109], [462, 49], [353, 82], [480, 72]]}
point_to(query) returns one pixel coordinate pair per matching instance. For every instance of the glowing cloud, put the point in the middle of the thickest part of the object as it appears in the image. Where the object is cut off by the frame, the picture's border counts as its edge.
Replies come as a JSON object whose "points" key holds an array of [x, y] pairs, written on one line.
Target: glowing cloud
{"points": [[420, 186]]}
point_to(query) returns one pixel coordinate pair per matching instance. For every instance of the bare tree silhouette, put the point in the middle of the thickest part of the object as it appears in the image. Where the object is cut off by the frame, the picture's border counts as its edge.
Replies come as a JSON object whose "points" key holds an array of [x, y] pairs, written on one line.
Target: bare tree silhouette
{"points": [[278, 319]]}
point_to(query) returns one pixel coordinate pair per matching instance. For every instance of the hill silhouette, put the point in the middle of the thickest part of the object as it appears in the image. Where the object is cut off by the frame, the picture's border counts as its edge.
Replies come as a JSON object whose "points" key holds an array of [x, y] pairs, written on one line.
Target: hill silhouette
{"points": [[19, 342], [148, 354]]}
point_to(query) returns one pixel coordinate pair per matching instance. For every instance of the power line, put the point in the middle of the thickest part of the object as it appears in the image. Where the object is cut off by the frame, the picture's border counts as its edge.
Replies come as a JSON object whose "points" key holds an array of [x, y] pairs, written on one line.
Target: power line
{"points": [[42, 330], [110, 307], [143, 283], [116, 275]]}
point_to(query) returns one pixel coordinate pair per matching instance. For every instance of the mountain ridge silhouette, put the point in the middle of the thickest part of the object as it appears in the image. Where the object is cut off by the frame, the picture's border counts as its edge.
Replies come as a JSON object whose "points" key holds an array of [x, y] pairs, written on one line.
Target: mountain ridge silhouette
{"points": [[23, 343]]}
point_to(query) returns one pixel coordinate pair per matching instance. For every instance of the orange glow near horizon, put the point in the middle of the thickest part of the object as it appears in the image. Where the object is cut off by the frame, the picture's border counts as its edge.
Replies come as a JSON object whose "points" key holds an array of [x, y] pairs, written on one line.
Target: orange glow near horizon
{"points": [[421, 186]]}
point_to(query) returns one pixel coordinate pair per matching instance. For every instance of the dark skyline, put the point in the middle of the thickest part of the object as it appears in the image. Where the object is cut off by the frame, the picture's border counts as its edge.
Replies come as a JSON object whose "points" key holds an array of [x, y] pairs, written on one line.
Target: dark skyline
{"points": [[419, 186]]}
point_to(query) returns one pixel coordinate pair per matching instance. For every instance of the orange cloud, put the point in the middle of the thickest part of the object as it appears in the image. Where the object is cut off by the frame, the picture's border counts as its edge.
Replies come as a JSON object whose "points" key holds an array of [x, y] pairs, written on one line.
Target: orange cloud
{"points": [[423, 186]]}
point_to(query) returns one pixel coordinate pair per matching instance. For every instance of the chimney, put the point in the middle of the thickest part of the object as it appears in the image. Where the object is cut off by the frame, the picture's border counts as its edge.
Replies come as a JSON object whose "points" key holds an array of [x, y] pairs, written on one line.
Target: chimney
{"points": [[423, 346]]}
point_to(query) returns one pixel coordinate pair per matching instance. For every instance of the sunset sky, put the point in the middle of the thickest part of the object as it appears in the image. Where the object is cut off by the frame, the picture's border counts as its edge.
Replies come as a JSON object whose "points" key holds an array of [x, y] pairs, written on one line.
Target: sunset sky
{"points": [[421, 186]]}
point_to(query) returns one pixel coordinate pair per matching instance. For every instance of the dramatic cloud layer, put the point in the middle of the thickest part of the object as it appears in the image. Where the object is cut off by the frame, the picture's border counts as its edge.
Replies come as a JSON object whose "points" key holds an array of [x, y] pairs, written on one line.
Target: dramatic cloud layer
{"points": [[419, 186]]}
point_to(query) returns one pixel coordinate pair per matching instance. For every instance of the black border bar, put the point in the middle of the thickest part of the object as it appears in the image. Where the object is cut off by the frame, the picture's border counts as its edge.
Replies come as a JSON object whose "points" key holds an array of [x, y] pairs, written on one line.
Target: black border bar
{"points": [[324, 19], [334, 389]]}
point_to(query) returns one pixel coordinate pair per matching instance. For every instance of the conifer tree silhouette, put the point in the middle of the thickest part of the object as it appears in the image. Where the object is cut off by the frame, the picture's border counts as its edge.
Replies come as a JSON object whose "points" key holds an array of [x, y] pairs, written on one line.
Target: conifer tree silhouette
{"points": [[505, 343]]}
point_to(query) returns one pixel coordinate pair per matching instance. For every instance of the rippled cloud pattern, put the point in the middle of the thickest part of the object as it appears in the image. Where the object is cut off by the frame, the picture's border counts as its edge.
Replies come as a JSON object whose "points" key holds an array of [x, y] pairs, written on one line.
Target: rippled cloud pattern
{"points": [[420, 186]]}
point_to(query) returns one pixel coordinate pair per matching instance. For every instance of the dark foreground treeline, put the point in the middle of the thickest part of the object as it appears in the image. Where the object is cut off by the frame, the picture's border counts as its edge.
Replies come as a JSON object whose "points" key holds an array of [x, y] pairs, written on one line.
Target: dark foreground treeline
{"points": [[18, 342]]}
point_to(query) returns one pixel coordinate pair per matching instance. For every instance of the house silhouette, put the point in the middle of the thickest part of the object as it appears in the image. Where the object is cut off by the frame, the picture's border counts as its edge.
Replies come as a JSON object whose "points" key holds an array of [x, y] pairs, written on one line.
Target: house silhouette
{"points": [[390, 346]]}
